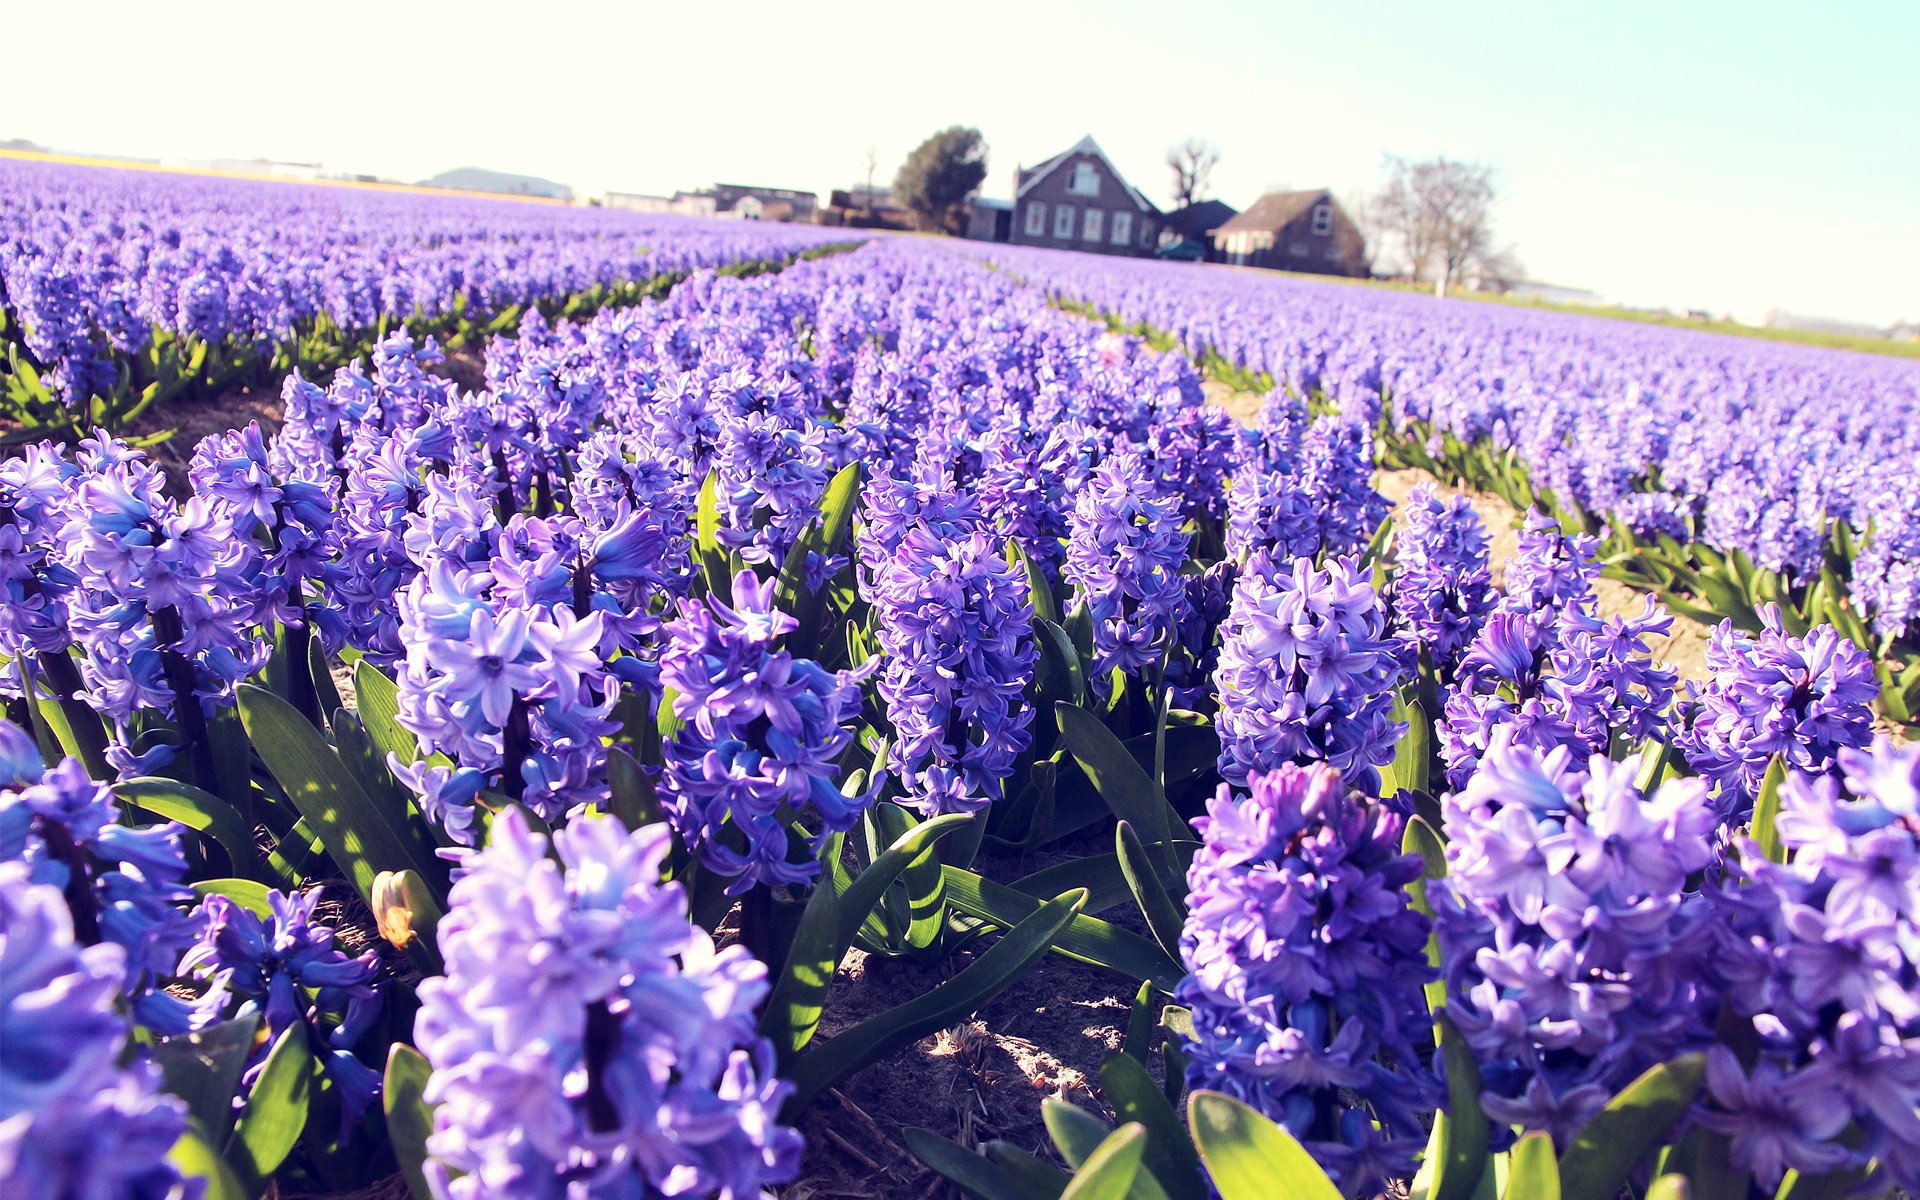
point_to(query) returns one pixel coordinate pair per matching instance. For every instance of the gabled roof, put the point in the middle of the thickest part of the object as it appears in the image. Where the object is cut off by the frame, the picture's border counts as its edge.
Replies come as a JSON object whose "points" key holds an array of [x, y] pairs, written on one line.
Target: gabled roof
{"points": [[1273, 211], [1085, 145], [1199, 219]]}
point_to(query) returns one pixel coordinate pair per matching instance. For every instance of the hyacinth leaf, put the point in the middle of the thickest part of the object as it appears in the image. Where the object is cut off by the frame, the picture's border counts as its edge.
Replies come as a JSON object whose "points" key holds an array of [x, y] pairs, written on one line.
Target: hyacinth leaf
{"points": [[1629, 1129], [1045, 607], [203, 1068], [1766, 811], [711, 556], [873, 1039], [1421, 839], [632, 798], [361, 837], [832, 917], [1100, 874], [194, 1156], [202, 812], [1461, 1133], [977, 1176], [1164, 918], [1057, 676], [276, 1110], [78, 730], [1532, 1171], [409, 1118], [1085, 939], [247, 893], [1413, 756], [1119, 778], [1076, 1133], [922, 878], [1170, 1155], [1037, 1177], [1109, 1172], [1249, 1157], [377, 701], [1138, 1043], [666, 719], [325, 690]]}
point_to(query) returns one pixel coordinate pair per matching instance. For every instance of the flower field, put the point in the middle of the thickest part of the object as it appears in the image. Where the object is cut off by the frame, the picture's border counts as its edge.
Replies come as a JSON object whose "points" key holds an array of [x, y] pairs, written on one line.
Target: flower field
{"points": [[488, 791]]}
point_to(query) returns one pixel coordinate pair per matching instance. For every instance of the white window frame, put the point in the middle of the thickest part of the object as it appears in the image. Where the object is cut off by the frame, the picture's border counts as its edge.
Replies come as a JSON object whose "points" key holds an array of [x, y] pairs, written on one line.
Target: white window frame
{"points": [[1299, 250], [1122, 229], [1063, 222], [1322, 219], [1093, 226], [1036, 218], [1085, 180]]}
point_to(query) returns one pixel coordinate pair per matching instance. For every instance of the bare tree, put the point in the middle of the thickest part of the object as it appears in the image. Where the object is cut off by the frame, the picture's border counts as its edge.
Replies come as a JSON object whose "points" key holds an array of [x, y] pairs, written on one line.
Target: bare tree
{"points": [[1192, 162], [872, 163], [1441, 214]]}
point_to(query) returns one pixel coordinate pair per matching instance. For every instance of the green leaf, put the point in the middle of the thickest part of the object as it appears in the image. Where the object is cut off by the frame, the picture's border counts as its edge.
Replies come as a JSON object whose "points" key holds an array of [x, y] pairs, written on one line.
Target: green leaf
{"points": [[980, 981], [325, 690], [1119, 778], [1458, 1173], [1532, 1171], [1086, 939], [247, 893], [832, 916], [203, 1068], [202, 812], [973, 1174], [194, 1156], [1765, 825], [1057, 677], [1421, 839], [1164, 917], [1109, 1171], [1669, 1187], [712, 557], [1139, 1037], [1037, 1178], [924, 881], [1413, 756], [632, 797], [1251, 1158], [409, 1119], [377, 700], [1629, 1129], [1170, 1154], [276, 1110], [362, 838], [1045, 608], [1076, 1133]]}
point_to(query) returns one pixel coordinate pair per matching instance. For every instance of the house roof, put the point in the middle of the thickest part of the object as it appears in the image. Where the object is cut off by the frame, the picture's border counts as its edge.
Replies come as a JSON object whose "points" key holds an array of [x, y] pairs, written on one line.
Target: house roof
{"points": [[990, 202], [1273, 211], [1201, 218], [1085, 145]]}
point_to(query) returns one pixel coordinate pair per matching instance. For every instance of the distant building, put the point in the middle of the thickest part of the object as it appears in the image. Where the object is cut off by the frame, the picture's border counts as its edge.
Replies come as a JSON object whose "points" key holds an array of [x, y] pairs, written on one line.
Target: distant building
{"points": [[637, 202], [762, 204], [1294, 231], [1076, 200], [1195, 224], [267, 166], [858, 208]]}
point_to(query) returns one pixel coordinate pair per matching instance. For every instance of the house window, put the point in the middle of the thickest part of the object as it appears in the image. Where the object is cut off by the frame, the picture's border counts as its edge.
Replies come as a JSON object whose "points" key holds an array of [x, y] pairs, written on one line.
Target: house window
{"points": [[1085, 180], [1122, 228], [1146, 233], [1299, 249], [1093, 226], [1036, 219], [1063, 221], [1322, 219]]}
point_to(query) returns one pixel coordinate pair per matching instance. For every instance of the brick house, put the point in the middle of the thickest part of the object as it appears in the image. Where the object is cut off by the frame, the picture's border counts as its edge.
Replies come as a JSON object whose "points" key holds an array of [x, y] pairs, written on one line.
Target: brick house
{"points": [[1076, 200], [1294, 231]]}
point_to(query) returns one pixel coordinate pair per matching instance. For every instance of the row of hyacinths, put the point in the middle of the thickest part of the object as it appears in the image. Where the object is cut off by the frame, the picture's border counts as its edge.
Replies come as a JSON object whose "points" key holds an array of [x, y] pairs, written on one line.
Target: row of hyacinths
{"points": [[518, 559], [1751, 445]]}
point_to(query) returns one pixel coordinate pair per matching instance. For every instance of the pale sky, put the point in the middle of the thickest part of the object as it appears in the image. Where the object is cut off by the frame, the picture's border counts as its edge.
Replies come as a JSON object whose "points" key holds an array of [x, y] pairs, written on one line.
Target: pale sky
{"points": [[1730, 156]]}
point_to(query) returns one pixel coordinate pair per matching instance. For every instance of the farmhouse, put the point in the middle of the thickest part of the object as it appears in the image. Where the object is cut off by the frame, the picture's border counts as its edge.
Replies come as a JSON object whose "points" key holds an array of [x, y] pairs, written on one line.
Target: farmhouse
{"points": [[1076, 200], [1294, 231]]}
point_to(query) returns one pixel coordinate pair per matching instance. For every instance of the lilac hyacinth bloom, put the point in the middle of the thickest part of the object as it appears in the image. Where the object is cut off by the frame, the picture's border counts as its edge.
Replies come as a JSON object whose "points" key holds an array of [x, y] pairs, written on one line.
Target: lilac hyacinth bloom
{"points": [[763, 731], [1441, 589], [1123, 560], [1305, 966], [955, 621], [125, 886], [1323, 500], [1550, 568], [1554, 678], [1306, 672], [34, 583], [1770, 694], [1572, 941], [1822, 956], [587, 1039], [73, 1120]]}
